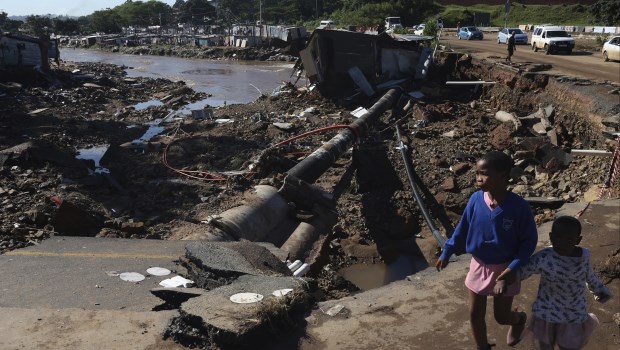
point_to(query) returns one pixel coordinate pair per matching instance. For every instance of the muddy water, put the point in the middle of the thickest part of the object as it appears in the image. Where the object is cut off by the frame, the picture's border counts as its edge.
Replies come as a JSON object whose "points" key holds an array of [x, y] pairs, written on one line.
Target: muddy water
{"points": [[228, 82]]}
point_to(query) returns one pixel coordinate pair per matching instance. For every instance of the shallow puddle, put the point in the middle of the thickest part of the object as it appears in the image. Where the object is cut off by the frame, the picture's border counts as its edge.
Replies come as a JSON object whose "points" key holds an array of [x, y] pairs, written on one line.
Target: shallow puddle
{"points": [[95, 154], [144, 105], [369, 276]]}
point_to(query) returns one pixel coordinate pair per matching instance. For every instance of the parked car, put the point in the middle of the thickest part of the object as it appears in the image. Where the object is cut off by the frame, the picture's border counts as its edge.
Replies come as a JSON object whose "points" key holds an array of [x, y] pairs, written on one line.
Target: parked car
{"points": [[504, 34], [419, 30], [552, 39], [469, 33], [611, 49]]}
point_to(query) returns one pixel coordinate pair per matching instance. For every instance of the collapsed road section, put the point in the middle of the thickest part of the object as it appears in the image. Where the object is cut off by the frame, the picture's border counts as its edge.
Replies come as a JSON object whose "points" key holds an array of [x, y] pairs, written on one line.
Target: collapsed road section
{"points": [[263, 209]]}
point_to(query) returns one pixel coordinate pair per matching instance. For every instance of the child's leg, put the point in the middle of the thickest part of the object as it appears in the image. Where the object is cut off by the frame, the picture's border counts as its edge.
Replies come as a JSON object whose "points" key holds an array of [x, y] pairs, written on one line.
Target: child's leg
{"points": [[477, 313], [502, 309]]}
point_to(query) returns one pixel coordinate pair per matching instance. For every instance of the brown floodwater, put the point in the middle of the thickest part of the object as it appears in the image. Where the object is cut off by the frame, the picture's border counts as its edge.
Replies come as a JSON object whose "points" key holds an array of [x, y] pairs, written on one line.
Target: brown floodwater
{"points": [[228, 82]]}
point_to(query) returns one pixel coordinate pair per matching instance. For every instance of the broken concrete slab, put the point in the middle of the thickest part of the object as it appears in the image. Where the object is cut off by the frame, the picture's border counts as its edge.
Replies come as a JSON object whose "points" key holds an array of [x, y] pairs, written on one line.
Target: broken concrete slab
{"points": [[236, 324], [213, 264]]}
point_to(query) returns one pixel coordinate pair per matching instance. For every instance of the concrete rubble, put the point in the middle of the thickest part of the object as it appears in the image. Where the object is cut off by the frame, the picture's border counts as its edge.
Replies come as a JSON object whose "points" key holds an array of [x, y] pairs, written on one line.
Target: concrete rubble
{"points": [[65, 222]]}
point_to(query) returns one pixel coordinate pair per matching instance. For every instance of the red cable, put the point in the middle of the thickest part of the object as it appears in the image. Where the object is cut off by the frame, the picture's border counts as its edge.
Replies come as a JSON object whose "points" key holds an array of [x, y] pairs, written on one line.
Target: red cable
{"points": [[189, 172], [316, 131]]}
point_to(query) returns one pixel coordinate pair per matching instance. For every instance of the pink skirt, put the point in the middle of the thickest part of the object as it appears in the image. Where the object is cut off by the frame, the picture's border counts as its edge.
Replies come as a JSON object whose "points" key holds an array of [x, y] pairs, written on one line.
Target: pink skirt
{"points": [[481, 278], [565, 335]]}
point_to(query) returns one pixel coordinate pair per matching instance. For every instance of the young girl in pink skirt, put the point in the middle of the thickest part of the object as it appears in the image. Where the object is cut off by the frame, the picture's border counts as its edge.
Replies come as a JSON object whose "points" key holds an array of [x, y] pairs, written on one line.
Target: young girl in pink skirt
{"points": [[497, 228], [560, 315]]}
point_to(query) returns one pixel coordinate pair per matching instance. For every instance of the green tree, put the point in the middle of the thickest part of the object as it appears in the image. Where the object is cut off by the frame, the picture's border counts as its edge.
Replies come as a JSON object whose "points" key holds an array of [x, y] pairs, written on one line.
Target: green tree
{"points": [[106, 21], [606, 12], [66, 26]]}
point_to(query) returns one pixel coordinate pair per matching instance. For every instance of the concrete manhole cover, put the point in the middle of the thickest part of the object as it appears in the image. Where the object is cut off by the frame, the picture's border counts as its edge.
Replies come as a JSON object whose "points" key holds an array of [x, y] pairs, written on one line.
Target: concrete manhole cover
{"points": [[246, 298], [132, 276], [158, 271], [282, 292]]}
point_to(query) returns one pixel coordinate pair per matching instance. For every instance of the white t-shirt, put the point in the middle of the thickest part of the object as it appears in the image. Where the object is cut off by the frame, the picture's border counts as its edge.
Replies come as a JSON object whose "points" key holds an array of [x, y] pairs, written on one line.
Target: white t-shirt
{"points": [[562, 289]]}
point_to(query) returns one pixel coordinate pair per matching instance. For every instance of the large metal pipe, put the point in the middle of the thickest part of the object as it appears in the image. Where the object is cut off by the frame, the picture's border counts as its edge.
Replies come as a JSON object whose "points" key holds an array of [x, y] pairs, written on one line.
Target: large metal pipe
{"points": [[267, 208], [311, 168], [429, 221]]}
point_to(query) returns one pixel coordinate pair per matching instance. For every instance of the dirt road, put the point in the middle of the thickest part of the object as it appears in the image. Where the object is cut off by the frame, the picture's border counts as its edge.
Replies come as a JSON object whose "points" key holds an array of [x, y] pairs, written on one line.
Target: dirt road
{"points": [[581, 63]]}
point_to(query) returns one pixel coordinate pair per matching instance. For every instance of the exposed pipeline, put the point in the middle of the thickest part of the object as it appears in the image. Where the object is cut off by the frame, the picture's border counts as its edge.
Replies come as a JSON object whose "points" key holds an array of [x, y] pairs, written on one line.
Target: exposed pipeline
{"points": [[313, 166], [429, 221]]}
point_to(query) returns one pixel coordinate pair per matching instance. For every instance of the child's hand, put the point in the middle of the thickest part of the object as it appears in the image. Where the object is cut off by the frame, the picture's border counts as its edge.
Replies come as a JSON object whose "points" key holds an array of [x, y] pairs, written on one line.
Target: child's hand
{"points": [[508, 276], [602, 297], [440, 265], [500, 287]]}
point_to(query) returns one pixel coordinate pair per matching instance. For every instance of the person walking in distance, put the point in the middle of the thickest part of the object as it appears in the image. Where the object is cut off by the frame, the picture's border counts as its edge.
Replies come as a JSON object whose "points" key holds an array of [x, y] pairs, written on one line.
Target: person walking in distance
{"points": [[512, 47], [497, 228]]}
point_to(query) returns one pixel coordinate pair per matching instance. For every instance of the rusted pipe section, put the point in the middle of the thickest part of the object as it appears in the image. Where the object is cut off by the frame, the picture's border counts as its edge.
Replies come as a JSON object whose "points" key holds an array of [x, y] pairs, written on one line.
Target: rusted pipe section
{"points": [[313, 166], [258, 215], [429, 221]]}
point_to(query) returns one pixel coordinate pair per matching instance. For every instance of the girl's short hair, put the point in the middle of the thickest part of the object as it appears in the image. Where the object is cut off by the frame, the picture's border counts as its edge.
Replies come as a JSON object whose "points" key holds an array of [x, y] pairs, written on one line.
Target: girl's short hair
{"points": [[499, 161], [566, 222]]}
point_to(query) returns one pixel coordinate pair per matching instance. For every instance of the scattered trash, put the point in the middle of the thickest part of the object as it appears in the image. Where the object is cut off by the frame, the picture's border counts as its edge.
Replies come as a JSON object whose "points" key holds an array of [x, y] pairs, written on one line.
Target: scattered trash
{"points": [[281, 292], [246, 298], [224, 121], [359, 111], [176, 282], [503, 116], [37, 111], [158, 271], [112, 273], [283, 126], [334, 310], [132, 276]]}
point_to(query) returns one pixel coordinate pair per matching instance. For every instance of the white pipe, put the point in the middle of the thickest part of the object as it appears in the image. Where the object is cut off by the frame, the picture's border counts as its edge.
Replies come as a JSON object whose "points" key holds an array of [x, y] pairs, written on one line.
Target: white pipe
{"points": [[473, 82], [590, 152], [302, 270], [294, 266]]}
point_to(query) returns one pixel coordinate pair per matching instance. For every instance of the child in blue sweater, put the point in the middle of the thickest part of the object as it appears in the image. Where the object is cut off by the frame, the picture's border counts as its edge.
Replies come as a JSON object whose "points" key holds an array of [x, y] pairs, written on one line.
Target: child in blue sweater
{"points": [[497, 228]]}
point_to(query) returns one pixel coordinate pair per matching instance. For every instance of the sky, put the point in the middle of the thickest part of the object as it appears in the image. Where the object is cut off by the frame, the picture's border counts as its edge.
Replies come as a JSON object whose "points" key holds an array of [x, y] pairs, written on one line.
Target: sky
{"points": [[60, 7]]}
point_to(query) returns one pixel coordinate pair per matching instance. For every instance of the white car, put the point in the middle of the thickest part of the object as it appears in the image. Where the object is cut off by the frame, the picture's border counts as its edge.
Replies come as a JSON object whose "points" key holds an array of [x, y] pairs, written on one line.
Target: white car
{"points": [[419, 30], [552, 39], [611, 49]]}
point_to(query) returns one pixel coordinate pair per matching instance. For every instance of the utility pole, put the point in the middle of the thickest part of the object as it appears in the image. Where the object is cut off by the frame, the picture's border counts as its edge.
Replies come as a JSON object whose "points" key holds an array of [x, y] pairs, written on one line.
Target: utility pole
{"points": [[316, 8], [260, 11]]}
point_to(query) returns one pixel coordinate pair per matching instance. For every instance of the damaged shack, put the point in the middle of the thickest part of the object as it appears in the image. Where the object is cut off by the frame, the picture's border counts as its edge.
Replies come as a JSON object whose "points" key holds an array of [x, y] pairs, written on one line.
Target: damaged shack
{"points": [[339, 61], [19, 50]]}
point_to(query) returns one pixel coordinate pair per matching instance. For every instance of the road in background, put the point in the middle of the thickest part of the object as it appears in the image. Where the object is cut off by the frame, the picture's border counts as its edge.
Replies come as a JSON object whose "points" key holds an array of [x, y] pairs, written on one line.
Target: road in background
{"points": [[585, 64]]}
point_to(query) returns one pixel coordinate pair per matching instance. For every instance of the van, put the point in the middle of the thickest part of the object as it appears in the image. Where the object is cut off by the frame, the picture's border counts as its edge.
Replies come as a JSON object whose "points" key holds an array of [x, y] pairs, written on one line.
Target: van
{"points": [[327, 23], [392, 23]]}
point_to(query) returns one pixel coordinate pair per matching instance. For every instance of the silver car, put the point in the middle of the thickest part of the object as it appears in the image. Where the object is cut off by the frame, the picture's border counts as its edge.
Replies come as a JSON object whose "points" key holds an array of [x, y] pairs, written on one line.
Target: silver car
{"points": [[504, 34]]}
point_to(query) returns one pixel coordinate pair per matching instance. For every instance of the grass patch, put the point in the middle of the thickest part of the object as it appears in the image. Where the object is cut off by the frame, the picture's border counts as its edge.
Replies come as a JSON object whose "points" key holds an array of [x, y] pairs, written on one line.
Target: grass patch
{"points": [[566, 14]]}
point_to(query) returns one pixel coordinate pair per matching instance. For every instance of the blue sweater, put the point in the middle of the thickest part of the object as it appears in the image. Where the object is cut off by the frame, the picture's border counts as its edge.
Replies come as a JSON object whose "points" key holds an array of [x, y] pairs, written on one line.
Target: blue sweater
{"points": [[505, 235]]}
